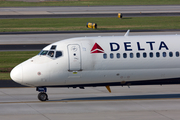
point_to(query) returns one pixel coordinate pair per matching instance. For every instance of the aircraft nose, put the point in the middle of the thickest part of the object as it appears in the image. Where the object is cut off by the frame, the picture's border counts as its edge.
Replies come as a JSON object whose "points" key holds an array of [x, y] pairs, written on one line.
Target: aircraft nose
{"points": [[16, 74]]}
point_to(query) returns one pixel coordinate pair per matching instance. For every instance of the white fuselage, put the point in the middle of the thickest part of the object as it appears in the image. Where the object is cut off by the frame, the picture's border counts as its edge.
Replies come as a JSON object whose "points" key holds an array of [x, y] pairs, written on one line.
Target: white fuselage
{"points": [[95, 60]]}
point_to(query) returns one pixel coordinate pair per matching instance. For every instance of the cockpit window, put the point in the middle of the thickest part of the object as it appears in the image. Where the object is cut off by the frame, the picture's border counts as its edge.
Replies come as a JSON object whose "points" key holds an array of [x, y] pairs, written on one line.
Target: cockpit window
{"points": [[53, 47], [51, 53], [58, 54], [43, 52]]}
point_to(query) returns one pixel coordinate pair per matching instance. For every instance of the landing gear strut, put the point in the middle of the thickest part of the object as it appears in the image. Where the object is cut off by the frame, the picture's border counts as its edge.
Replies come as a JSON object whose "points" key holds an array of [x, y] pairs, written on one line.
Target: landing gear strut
{"points": [[42, 96]]}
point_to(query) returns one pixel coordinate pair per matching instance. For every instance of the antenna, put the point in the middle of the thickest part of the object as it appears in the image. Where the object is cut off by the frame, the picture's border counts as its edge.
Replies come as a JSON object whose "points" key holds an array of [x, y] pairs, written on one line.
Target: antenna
{"points": [[127, 33]]}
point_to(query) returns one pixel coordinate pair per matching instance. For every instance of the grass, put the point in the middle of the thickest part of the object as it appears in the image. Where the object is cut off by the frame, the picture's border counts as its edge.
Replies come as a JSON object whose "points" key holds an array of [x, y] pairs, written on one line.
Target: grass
{"points": [[4, 3], [113, 23], [10, 59], [5, 76]]}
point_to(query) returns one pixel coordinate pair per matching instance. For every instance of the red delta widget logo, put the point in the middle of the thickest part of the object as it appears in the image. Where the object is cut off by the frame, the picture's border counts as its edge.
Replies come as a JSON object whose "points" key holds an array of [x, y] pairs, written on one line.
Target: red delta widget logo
{"points": [[97, 49]]}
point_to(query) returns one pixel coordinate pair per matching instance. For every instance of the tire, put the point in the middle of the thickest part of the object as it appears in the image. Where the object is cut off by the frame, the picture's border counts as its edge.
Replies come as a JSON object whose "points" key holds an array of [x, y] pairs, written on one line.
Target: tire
{"points": [[42, 96]]}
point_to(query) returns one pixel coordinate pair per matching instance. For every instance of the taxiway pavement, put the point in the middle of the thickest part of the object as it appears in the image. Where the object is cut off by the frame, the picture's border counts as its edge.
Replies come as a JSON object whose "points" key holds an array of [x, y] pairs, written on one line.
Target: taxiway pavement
{"points": [[51, 38], [89, 10], [134, 103]]}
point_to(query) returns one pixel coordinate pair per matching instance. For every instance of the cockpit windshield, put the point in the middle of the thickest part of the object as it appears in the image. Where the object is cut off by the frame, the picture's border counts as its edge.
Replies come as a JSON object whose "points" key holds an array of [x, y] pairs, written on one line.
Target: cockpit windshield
{"points": [[43, 52], [51, 53]]}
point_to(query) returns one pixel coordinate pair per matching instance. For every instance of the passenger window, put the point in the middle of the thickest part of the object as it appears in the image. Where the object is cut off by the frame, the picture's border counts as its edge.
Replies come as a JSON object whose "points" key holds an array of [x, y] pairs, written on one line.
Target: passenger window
{"points": [[164, 54], [151, 54], [118, 55], [144, 55], [157, 54], [58, 54], [124, 55], [51, 53], [177, 54], [131, 55], [170, 54], [104, 55], [111, 55], [138, 55], [43, 52]]}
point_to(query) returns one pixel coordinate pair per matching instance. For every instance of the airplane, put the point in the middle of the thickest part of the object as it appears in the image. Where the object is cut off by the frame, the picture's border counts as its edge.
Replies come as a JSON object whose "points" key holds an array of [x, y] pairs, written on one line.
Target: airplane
{"points": [[102, 61]]}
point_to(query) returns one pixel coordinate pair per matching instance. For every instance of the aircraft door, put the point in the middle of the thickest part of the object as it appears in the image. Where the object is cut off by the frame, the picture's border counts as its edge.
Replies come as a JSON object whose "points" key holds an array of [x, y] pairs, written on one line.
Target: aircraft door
{"points": [[74, 57]]}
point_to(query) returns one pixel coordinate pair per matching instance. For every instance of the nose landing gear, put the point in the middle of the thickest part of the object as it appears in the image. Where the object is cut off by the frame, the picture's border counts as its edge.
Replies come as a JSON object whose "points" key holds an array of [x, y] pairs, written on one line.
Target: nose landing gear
{"points": [[42, 96]]}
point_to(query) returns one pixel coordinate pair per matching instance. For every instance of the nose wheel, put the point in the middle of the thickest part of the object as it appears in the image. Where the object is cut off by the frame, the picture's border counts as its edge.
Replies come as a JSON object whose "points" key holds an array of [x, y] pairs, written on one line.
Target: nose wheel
{"points": [[42, 96]]}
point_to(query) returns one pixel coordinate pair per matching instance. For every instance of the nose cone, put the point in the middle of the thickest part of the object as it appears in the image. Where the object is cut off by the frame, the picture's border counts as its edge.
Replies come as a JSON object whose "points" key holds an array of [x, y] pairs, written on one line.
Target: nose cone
{"points": [[16, 74]]}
